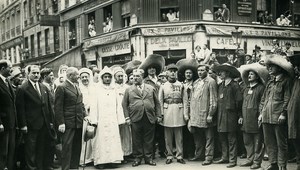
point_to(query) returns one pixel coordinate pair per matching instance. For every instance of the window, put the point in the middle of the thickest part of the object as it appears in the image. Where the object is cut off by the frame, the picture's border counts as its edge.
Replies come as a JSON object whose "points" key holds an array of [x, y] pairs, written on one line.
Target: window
{"points": [[32, 46], [56, 38], [26, 51], [91, 24], [38, 10], [169, 11], [108, 19], [72, 33], [30, 8], [54, 6], [125, 5], [39, 43], [66, 3], [263, 15], [47, 47]]}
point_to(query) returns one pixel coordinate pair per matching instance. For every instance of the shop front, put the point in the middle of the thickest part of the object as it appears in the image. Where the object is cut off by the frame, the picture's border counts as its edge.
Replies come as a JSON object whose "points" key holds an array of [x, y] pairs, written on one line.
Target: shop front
{"points": [[173, 43]]}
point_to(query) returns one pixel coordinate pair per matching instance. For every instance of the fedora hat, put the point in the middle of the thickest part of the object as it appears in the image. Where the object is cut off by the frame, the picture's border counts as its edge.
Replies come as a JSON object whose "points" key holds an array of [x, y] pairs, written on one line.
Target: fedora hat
{"points": [[89, 132], [234, 73], [15, 72], [153, 60], [280, 61], [259, 69], [295, 59], [130, 66], [184, 64]]}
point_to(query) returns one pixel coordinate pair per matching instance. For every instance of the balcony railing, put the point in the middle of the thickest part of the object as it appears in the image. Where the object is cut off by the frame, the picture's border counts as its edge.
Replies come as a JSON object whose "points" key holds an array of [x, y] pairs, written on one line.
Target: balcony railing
{"points": [[13, 32], [3, 36], [8, 35], [18, 30]]}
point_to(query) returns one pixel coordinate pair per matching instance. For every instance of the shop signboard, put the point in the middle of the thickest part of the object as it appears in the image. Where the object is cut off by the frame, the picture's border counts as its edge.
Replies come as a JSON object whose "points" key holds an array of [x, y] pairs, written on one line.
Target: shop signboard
{"points": [[173, 30], [266, 44], [244, 7], [114, 49], [169, 41], [223, 43], [108, 39]]}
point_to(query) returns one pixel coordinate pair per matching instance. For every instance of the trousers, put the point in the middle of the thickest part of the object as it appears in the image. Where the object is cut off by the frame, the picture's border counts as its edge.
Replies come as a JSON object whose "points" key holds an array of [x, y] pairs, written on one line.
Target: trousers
{"points": [[170, 133], [204, 141], [229, 146], [254, 147]]}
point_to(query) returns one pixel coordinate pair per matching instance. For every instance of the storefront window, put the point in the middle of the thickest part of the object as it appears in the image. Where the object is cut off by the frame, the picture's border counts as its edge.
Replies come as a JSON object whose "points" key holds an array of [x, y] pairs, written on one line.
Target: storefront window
{"points": [[114, 60], [172, 56], [108, 19], [169, 11]]}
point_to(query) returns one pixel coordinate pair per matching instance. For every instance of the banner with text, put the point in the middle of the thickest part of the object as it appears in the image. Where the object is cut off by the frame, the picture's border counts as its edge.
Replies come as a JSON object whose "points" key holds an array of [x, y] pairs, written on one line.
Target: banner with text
{"points": [[114, 49], [116, 37]]}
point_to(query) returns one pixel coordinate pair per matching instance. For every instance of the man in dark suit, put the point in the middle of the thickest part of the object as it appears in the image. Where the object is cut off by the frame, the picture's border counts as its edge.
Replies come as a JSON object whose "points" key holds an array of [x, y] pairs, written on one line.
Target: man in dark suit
{"points": [[69, 113], [35, 116], [7, 118], [141, 109]]}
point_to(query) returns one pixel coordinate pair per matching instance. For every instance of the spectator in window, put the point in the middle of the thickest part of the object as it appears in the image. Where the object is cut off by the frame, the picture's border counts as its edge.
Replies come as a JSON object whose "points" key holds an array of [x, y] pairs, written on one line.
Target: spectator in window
{"points": [[261, 18], [105, 27], [288, 50], [225, 13], [109, 21], [282, 21], [164, 18], [92, 32], [218, 15], [176, 14], [269, 20], [171, 16]]}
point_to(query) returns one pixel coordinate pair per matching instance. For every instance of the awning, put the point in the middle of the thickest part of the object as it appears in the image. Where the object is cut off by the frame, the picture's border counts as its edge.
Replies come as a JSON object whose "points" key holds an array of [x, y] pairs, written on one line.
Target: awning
{"points": [[71, 58]]}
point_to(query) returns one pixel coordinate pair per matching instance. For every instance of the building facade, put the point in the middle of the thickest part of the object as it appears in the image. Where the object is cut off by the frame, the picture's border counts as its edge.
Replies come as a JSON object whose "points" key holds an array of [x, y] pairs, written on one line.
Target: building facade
{"points": [[11, 30]]}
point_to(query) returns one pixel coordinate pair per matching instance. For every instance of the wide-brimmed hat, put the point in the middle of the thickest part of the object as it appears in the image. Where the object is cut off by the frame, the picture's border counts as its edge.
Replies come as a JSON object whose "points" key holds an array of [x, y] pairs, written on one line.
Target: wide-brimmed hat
{"points": [[128, 67], [260, 70], [295, 59], [234, 73], [280, 61], [153, 60], [184, 64]]}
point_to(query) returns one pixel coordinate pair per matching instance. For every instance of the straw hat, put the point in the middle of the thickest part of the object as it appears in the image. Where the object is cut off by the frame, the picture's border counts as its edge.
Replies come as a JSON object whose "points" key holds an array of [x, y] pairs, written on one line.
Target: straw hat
{"points": [[280, 61], [234, 73], [153, 60], [260, 70], [184, 64]]}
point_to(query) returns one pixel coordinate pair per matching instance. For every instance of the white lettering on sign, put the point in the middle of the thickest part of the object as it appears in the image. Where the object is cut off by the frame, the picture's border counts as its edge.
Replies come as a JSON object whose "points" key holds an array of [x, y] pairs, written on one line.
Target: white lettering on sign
{"points": [[115, 49], [223, 43], [107, 39], [169, 41]]}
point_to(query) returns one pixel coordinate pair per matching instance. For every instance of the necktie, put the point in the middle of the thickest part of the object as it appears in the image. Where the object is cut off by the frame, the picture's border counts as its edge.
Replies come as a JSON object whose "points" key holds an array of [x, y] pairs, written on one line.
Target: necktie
{"points": [[140, 88], [6, 82], [37, 89]]}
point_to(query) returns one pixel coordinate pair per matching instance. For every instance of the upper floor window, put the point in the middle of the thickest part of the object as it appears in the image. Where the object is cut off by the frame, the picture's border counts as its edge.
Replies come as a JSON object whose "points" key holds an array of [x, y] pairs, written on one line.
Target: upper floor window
{"points": [[125, 6], [91, 24], [108, 19], [72, 33], [169, 11]]}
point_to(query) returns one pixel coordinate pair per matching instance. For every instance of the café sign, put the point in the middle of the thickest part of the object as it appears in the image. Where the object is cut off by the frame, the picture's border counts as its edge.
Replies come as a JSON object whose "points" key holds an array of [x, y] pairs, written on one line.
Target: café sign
{"points": [[116, 37], [252, 32], [114, 49], [174, 30]]}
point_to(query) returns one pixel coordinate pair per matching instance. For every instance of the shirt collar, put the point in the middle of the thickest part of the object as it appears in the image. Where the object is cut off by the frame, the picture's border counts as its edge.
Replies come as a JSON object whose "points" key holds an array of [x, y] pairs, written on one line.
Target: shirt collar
{"points": [[227, 81], [33, 83], [253, 85]]}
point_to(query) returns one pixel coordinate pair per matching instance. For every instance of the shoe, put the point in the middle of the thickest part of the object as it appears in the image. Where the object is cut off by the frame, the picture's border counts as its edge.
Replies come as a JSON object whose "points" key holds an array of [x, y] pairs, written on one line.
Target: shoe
{"points": [[221, 161], [231, 165], [136, 163], [151, 163], [246, 164], [273, 167], [206, 162], [181, 161], [168, 161], [254, 166], [194, 159], [101, 166], [243, 156]]}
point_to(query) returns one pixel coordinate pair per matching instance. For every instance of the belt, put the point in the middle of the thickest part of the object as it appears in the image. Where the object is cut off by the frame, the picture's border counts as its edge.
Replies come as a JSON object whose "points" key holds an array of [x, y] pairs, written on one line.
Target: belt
{"points": [[173, 101]]}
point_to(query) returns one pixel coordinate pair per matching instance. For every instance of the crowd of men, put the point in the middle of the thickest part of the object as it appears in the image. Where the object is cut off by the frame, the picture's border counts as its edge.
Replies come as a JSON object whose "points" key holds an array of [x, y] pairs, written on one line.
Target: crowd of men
{"points": [[102, 118]]}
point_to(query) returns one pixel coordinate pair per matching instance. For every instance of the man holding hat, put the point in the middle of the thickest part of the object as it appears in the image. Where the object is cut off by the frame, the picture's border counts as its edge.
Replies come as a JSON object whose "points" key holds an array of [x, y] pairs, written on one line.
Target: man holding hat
{"points": [[229, 108], [273, 110], [142, 110], [254, 76], [293, 109], [203, 109], [170, 97]]}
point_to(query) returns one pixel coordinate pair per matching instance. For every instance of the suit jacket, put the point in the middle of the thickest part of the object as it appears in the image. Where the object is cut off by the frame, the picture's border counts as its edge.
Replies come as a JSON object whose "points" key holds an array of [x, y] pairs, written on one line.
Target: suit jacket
{"points": [[68, 105], [135, 103], [33, 110], [7, 106]]}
